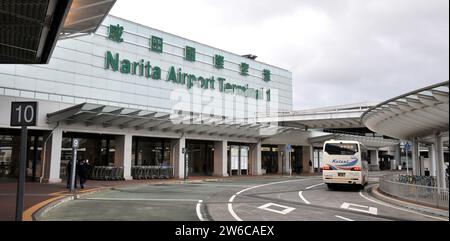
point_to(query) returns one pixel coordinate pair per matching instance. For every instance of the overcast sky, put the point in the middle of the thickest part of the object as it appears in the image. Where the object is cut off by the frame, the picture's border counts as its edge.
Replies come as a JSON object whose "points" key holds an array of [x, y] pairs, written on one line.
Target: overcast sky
{"points": [[339, 51]]}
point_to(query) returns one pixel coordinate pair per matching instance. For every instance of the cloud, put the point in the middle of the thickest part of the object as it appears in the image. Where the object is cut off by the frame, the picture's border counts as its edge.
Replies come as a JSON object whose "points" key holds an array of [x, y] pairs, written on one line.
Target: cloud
{"points": [[338, 51]]}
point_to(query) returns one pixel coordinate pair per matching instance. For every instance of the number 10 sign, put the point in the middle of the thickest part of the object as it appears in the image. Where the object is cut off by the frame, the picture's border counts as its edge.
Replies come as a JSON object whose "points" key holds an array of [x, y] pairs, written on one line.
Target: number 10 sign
{"points": [[23, 113]]}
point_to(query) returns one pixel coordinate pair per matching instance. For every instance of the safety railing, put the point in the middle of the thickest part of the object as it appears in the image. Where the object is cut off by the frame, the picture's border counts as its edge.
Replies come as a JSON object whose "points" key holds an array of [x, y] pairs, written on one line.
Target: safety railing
{"points": [[107, 173], [152, 172], [422, 194]]}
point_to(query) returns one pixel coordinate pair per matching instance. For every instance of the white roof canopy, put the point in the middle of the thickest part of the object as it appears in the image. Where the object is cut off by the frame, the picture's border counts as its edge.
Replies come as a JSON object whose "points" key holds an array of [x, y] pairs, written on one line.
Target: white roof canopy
{"points": [[416, 114], [85, 16], [345, 116], [180, 122]]}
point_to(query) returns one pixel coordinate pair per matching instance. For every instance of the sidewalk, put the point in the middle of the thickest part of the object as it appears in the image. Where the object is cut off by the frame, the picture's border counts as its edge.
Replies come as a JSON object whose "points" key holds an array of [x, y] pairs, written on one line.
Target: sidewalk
{"points": [[36, 193], [378, 194]]}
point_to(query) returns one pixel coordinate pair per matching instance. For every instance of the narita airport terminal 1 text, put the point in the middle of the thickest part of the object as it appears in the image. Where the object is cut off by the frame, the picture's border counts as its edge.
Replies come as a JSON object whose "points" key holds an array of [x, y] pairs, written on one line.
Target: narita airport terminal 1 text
{"points": [[145, 69]]}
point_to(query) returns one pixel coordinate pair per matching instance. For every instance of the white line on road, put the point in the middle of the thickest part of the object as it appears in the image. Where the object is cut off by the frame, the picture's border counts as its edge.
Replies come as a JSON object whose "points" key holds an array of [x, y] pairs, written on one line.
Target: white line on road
{"points": [[198, 210], [141, 199], [230, 208], [315, 186], [402, 209], [303, 198], [344, 218], [230, 202]]}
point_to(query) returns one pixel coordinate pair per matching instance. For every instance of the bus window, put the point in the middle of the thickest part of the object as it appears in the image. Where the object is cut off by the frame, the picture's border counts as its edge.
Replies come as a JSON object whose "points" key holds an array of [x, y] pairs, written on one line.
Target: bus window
{"points": [[341, 149]]}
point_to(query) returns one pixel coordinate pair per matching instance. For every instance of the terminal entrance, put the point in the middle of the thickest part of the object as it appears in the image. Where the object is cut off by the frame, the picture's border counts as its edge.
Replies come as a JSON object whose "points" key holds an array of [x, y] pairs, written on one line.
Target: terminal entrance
{"points": [[98, 149], [297, 160], [151, 152], [200, 156], [238, 159], [9, 154], [269, 162]]}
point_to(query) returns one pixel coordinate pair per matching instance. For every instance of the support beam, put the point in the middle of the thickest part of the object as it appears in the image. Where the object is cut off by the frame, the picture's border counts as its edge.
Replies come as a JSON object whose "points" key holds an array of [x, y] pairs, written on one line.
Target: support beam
{"points": [[53, 157], [221, 158], [122, 156], [283, 159], [440, 166], [178, 156], [415, 157], [255, 159], [432, 158]]}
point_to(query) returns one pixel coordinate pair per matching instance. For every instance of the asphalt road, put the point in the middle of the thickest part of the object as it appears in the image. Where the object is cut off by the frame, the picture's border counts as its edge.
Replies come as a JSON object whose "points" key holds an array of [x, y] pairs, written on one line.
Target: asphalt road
{"points": [[255, 199]]}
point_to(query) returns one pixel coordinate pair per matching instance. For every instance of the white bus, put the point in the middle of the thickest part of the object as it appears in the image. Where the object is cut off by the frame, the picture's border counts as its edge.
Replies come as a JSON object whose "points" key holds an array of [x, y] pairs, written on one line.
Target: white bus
{"points": [[345, 162]]}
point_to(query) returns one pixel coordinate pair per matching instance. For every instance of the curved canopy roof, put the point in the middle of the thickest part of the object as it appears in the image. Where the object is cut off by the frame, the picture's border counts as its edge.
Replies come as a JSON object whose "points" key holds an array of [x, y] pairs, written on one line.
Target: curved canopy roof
{"points": [[344, 116], [416, 114]]}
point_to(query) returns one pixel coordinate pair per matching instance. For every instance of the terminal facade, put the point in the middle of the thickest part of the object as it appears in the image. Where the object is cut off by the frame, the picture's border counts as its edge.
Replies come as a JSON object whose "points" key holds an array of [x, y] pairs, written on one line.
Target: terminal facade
{"points": [[137, 96]]}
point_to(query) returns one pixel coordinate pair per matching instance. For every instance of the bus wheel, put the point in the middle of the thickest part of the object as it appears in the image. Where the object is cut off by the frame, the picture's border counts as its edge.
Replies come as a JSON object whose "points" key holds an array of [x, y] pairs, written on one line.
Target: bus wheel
{"points": [[362, 187], [330, 186]]}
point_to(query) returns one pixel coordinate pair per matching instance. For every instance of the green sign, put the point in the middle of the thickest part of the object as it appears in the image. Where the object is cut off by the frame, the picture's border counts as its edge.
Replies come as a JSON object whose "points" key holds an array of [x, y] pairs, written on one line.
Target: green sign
{"points": [[115, 33], [244, 69], [189, 54], [219, 61], [266, 75], [178, 76], [156, 44]]}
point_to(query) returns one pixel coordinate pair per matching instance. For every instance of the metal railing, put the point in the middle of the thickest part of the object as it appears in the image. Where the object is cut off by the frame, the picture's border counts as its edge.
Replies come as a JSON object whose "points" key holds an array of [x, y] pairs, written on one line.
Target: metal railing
{"points": [[152, 172], [107, 173], [422, 194]]}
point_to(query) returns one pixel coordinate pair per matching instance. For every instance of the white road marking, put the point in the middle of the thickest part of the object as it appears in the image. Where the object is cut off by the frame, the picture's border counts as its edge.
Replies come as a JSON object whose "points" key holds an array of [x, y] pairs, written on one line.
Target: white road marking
{"points": [[141, 199], [303, 198], [230, 202], [230, 209], [198, 210], [360, 208], [402, 209], [315, 186], [284, 212], [344, 218]]}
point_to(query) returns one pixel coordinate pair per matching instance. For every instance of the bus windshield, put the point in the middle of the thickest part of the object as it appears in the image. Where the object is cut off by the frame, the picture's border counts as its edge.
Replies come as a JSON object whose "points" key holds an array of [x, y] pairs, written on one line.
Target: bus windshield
{"points": [[341, 149]]}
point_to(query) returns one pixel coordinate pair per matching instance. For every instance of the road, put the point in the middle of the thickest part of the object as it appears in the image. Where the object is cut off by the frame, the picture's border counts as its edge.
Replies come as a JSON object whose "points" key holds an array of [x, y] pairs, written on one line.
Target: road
{"points": [[255, 199]]}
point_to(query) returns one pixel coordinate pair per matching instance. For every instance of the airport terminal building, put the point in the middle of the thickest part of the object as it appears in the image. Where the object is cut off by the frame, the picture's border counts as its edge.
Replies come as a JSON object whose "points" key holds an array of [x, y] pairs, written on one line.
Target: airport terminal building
{"points": [[136, 96]]}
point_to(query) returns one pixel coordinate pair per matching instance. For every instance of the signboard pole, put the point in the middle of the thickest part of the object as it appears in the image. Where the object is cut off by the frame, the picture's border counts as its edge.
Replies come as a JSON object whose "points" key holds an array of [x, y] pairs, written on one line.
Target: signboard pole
{"points": [[407, 147], [185, 163], [74, 165], [22, 173], [23, 114]]}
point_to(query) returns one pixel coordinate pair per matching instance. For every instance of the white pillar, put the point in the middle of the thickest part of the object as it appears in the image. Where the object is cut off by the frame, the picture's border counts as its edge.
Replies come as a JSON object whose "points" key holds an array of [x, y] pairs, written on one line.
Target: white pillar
{"points": [[374, 160], [281, 157], [415, 156], [256, 156], [178, 156], [53, 157], [440, 166], [398, 157], [122, 158], [283, 160], [377, 157], [432, 158], [221, 158]]}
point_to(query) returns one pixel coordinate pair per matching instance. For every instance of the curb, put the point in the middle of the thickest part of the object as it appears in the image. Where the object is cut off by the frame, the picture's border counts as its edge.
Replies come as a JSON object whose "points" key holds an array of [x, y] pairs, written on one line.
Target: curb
{"points": [[377, 193], [37, 215]]}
